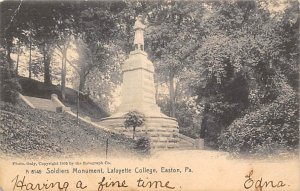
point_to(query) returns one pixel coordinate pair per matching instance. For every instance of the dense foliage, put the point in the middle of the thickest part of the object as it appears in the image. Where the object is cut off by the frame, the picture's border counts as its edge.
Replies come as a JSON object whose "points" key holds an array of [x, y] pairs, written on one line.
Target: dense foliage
{"points": [[272, 129]]}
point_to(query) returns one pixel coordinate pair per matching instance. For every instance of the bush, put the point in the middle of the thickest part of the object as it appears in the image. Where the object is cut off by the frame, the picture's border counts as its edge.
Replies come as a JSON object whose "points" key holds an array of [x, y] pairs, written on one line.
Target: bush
{"points": [[143, 145], [9, 90], [271, 130]]}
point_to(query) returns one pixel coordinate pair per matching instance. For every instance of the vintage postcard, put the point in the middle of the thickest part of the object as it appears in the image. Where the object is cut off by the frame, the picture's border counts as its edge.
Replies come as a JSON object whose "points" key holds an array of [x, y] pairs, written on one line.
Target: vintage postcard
{"points": [[149, 95]]}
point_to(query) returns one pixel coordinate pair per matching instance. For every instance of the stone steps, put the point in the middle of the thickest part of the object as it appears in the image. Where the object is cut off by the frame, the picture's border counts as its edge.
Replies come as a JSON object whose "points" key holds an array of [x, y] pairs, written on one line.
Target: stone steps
{"points": [[43, 104]]}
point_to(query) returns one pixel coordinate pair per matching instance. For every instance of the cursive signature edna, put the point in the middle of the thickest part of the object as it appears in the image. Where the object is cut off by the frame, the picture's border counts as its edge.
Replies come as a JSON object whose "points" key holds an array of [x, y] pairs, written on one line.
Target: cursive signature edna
{"points": [[260, 183]]}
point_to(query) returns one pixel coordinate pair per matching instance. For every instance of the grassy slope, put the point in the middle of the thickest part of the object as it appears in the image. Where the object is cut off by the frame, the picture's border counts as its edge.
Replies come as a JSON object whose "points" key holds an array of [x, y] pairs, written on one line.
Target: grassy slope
{"points": [[87, 107], [30, 132]]}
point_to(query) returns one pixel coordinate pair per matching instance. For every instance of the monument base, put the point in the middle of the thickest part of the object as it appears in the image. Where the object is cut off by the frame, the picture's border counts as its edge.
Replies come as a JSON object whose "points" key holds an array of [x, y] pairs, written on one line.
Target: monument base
{"points": [[162, 130]]}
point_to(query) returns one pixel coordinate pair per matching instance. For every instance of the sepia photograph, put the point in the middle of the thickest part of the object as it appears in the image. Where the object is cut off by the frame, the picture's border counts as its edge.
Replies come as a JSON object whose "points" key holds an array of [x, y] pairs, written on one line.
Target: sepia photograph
{"points": [[149, 95]]}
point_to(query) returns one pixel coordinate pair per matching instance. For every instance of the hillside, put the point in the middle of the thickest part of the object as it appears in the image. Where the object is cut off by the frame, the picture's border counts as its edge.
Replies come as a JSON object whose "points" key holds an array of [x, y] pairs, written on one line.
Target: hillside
{"points": [[30, 132], [38, 89]]}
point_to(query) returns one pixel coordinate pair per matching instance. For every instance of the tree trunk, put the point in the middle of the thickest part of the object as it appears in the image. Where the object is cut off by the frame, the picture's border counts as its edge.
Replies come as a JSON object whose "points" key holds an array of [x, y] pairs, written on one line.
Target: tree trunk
{"points": [[9, 44], [18, 58], [63, 72], [82, 82], [47, 76], [30, 47], [8, 56], [133, 134], [172, 95]]}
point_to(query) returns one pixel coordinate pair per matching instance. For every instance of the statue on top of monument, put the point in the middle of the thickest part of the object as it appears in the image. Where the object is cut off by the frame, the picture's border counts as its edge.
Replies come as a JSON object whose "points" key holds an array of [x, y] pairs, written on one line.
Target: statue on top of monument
{"points": [[139, 28]]}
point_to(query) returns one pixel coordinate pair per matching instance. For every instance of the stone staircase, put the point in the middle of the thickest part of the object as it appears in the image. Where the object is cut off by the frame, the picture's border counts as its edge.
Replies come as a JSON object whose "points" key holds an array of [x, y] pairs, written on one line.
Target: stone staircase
{"points": [[43, 104], [52, 104], [55, 105]]}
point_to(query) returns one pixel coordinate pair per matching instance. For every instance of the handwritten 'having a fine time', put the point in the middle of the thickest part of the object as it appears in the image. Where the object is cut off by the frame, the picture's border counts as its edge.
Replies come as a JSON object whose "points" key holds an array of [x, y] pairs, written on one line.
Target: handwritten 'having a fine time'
{"points": [[20, 183]]}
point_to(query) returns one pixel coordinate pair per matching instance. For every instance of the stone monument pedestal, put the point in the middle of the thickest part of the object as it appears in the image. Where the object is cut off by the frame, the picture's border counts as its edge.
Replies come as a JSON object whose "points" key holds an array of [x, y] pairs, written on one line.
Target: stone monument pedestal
{"points": [[162, 131]]}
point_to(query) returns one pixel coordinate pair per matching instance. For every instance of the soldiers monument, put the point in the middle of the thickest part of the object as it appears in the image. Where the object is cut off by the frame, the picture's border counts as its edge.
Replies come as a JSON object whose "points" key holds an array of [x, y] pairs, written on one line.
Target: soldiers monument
{"points": [[138, 94]]}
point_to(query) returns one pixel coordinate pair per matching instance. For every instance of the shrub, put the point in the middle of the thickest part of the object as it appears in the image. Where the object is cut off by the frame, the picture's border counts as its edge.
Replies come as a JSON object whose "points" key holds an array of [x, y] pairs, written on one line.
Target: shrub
{"points": [[143, 145], [271, 130]]}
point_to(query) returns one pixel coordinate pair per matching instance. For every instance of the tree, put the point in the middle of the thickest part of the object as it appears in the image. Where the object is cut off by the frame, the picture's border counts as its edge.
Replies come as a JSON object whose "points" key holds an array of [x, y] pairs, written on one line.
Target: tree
{"points": [[67, 28], [9, 85], [134, 119], [9, 11], [103, 80], [89, 59], [171, 41], [49, 25], [63, 50], [96, 29]]}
